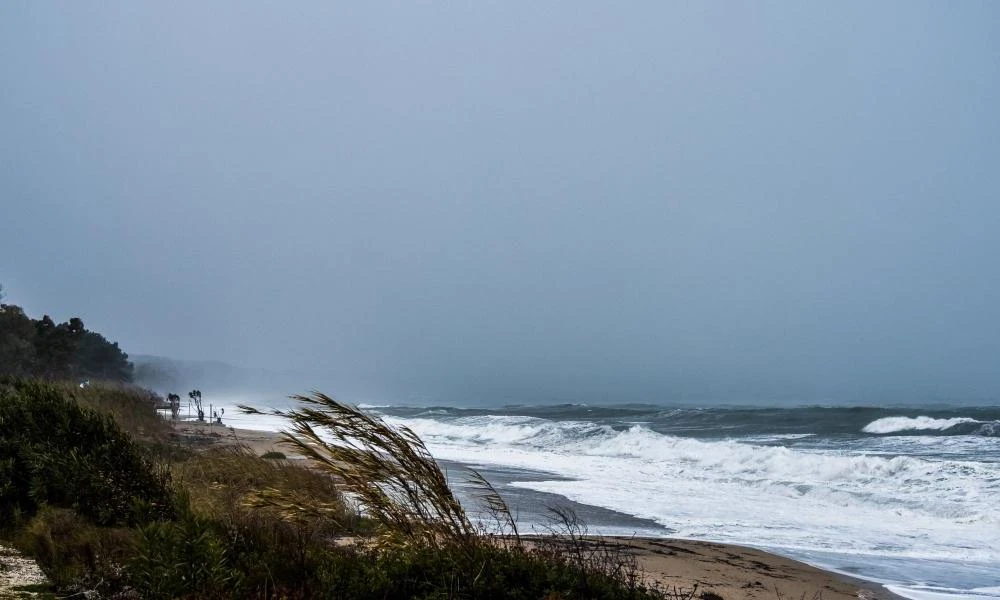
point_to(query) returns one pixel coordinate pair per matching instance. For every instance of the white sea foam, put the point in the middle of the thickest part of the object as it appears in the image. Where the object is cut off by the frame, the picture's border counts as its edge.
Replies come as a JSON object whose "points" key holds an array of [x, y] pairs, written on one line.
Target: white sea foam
{"points": [[774, 437], [800, 500], [232, 416], [930, 593], [898, 424]]}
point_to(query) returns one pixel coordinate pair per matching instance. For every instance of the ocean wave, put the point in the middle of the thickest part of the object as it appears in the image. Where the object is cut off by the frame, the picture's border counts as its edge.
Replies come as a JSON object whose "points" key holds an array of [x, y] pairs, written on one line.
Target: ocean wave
{"points": [[898, 424], [861, 477], [794, 497], [989, 429]]}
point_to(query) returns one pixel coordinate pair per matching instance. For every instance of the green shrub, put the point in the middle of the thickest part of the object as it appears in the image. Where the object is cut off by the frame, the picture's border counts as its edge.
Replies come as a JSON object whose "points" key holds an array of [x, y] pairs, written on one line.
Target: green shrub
{"points": [[133, 408], [74, 553], [451, 571], [183, 559], [273, 455], [56, 452], [199, 557]]}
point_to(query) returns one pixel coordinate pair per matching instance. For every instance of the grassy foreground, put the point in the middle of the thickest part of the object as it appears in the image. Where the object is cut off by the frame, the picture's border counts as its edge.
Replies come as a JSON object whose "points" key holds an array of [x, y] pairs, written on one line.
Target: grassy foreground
{"points": [[93, 489]]}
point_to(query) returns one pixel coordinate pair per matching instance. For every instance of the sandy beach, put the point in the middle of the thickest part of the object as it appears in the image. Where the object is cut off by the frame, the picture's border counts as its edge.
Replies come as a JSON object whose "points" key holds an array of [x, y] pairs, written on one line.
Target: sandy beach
{"points": [[732, 572], [192, 434], [739, 572]]}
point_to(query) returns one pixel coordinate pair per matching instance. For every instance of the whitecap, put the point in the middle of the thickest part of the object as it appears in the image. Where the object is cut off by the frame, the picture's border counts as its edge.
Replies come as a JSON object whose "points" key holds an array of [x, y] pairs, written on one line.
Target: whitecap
{"points": [[898, 424]]}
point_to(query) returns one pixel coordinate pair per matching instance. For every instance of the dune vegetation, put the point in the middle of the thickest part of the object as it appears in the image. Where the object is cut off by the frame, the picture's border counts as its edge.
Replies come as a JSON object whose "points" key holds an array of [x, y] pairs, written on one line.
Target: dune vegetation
{"points": [[93, 487]]}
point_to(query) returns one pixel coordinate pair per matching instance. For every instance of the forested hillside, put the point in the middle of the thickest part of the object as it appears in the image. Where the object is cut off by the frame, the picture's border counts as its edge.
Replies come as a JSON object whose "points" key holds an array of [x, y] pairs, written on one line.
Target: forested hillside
{"points": [[42, 348]]}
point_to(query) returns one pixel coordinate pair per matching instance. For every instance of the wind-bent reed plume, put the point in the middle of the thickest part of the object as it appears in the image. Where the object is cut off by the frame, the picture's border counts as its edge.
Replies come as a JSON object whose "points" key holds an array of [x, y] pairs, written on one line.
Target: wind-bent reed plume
{"points": [[387, 470], [496, 507]]}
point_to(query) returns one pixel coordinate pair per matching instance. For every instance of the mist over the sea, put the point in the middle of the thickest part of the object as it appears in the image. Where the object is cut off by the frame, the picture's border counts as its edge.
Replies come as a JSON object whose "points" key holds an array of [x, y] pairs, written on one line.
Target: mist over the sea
{"points": [[494, 203]]}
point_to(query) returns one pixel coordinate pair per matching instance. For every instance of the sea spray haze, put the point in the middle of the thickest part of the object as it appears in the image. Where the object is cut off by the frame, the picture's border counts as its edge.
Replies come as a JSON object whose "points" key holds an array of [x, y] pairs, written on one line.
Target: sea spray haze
{"points": [[583, 203]]}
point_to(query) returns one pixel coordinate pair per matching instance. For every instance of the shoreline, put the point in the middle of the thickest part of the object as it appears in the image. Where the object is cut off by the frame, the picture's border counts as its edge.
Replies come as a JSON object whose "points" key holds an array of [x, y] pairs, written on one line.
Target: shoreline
{"points": [[729, 570], [733, 571]]}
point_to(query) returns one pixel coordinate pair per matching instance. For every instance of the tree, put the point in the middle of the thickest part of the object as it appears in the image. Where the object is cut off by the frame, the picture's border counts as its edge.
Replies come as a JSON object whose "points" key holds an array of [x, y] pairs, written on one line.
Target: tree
{"points": [[175, 405], [41, 348], [55, 346], [98, 358], [17, 348], [195, 395], [75, 326]]}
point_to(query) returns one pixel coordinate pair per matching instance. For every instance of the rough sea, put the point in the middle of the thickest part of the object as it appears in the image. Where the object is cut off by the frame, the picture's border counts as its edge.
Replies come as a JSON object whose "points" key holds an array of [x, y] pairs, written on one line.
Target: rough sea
{"points": [[909, 497]]}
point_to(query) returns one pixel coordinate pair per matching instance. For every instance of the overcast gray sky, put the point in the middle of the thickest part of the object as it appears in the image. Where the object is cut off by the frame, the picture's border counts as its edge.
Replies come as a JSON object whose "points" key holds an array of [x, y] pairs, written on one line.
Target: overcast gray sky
{"points": [[535, 201]]}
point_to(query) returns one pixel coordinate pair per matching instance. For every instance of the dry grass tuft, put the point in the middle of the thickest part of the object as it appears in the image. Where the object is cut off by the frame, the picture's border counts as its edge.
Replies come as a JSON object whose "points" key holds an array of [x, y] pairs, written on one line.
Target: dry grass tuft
{"points": [[501, 523], [222, 482], [387, 471]]}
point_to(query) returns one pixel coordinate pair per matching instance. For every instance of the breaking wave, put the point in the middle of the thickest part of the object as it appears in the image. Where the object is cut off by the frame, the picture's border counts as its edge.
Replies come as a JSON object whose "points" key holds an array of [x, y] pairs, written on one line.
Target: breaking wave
{"points": [[581, 450], [900, 424]]}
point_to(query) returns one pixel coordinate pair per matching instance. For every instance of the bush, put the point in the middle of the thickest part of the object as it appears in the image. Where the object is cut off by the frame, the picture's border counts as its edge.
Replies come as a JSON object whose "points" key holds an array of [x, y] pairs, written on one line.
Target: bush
{"points": [[56, 452], [73, 552], [199, 557], [451, 571], [133, 408], [184, 558], [243, 553], [228, 482]]}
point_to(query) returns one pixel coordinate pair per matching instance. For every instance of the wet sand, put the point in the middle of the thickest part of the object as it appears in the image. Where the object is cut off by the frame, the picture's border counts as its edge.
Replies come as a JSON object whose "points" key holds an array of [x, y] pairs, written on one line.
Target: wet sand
{"points": [[739, 572]]}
